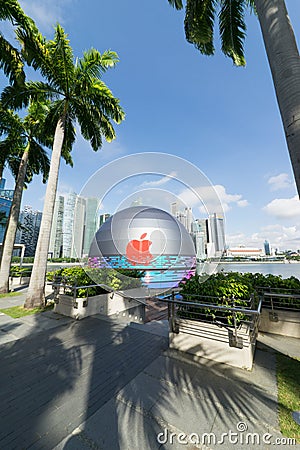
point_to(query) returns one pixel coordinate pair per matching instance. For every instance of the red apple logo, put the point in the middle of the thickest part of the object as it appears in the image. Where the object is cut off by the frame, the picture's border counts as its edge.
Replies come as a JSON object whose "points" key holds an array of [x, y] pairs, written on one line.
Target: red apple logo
{"points": [[137, 251]]}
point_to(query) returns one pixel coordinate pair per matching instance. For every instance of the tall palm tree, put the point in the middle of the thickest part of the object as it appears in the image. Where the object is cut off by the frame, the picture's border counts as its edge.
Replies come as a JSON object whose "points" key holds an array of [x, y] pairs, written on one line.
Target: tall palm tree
{"points": [[10, 58], [23, 136], [280, 45], [77, 93]]}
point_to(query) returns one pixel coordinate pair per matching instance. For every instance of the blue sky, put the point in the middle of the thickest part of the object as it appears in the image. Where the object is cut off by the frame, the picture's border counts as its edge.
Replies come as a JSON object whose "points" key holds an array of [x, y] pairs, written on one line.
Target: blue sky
{"points": [[222, 119]]}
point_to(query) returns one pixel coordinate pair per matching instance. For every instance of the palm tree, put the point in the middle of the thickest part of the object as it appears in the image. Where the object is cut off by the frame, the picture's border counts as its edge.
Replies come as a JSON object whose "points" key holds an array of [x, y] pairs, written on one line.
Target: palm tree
{"points": [[22, 136], [77, 93], [10, 58], [280, 45]]}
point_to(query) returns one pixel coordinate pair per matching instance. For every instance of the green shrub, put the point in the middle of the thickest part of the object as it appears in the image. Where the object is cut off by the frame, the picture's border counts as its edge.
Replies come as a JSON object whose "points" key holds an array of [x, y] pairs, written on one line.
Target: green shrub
{"points": [[233, 288], [17, 271], [224, 289], [114, 279]]}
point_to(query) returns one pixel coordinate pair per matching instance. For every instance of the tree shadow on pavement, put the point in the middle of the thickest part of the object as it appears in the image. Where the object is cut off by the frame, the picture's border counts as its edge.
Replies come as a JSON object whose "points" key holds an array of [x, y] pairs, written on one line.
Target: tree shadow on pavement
{"points": [[138, 390], [119, 387], [37, 372]]}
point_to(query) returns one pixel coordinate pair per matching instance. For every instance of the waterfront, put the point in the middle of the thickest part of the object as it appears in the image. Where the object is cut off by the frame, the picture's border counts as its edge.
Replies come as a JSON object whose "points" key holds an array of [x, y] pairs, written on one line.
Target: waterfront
{"points": [[283, 269], [286, 270]]}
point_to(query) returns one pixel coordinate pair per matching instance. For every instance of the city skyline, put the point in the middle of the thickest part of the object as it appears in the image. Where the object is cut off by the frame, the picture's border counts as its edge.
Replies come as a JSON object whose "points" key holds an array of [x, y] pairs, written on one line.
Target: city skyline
{"points": [[223, 119]]}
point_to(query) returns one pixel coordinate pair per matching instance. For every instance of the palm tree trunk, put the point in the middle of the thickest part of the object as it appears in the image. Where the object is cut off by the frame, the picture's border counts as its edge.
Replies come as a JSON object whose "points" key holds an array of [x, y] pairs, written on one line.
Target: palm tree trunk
{"points": [[36, 291], [284, 61], [12, 224]]}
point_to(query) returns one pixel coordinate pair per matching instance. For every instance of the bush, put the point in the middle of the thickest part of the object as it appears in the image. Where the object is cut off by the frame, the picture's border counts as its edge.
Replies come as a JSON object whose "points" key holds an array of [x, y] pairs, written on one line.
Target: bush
{"points": [[114, 279], [17, 271], [223, 289], [229, 288]]}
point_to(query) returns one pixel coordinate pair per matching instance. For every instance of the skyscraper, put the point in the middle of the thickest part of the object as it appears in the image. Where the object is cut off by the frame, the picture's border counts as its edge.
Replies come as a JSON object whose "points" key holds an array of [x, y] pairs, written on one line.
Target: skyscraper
{"points": [[267, 248], [28, 235], [78, 227], [91, 223], [56, 239], [216, 234], [68, 220], [103, 218], [6, 197]]}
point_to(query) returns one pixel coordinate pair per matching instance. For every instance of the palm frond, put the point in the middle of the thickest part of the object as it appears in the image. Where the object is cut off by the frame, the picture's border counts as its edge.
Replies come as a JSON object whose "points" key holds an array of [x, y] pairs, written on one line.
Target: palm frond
{"points": [[53, 58], [10, 152], [251, 4], [11, 62], [232, 30], [176, 3], [103, 99], [199, 24], [19, 96], [11, 10], [10, 122], [38, 161], [89, 124], [62, 54]]}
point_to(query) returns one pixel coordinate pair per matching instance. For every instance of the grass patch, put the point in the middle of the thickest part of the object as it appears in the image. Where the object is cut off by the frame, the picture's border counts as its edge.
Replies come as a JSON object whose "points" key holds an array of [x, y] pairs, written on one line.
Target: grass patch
{"points": [[10, 294], [288, 380], [19, 311]]}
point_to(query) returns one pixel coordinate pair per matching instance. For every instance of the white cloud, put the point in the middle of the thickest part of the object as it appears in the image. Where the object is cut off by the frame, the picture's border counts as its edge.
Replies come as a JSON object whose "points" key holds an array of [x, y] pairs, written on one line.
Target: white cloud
{"points": [[279, 236], [280, 181], [228, 200], [242, 203], [161, 181], [214, 199], [284, 208], [46, 13]]}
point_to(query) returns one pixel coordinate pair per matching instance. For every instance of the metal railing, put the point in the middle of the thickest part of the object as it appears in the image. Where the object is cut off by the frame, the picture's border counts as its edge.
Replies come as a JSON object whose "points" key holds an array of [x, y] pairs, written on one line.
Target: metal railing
{"points": [[230, 315], [73, 289], [280, 298]]}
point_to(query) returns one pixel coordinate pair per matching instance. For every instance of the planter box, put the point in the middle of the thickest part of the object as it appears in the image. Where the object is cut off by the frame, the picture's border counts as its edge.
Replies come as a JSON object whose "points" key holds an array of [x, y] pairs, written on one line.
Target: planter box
{"points": [[282, 322], [15, 282], [214, 342], [110, 304]]}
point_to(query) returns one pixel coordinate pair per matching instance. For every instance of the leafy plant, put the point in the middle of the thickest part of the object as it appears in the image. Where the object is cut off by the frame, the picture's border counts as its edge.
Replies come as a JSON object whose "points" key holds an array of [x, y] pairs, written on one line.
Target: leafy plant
{"points": [[232, 289], [222, 289], [114, 279], [17, 271]]}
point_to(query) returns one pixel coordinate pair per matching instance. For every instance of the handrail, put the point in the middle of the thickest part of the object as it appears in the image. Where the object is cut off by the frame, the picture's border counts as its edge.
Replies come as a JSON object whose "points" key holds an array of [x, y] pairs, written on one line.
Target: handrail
{"points": [[108, 288], [214, 306]]}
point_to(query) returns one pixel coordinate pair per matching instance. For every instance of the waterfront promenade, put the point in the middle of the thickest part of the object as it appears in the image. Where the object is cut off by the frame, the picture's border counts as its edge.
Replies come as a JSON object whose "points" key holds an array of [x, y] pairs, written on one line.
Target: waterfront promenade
{"points": [[101, 384]]}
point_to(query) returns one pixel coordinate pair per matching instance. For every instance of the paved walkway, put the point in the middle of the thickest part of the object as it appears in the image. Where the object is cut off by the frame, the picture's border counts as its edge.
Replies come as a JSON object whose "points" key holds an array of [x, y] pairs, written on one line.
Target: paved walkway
{"points": [[99, 384]]}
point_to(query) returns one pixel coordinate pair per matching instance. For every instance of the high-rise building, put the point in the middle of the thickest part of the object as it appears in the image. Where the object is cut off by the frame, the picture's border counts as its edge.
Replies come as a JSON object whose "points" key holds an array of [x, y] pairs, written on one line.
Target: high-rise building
{"points": [[103, 218], [29, 232], [174, 209], [199, 236], [91, 223], [56, 238], [189, 219], [78, 228], [267, 248], [75, 222], [6, 197], [68, 220], [216, 234]]}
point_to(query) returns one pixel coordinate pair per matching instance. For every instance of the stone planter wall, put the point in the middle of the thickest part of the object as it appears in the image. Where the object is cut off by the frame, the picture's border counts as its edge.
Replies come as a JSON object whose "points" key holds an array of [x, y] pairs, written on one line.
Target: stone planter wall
{"points": [[284, 323], [110, 304], [213, 342], [15, 282]]}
